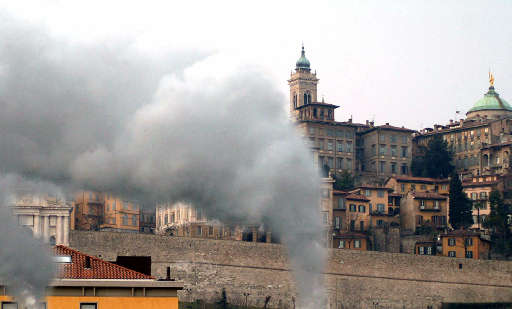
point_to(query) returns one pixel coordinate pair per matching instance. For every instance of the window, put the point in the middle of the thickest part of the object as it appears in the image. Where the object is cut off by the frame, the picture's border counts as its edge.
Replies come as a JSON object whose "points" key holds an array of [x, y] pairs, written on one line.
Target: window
{"points": [[126, 205], [134, 220], [9, 305], [362, 208], [352, 225], [380, 208], [349, 146], [199, 231], [452, 254], [166, 219], [340, 133], [330, 162], [341, 203], [451, 242], [210, 230], [330, 132], [380, 222], [422, 203], [114, 205], [353, 208], [468, 242], [429, 250], [348, 134], [393, 151], [444, 187], [404, 170], [382, 150], [421, 250], [337, 223], [125, 219], [393, 167], [114, 220], [349, 164], [368, 192], [380, 193], [469, 254], [382, 165], [404, 152], [436, 204], [339, 163], [357, 243], [88, 306], [413, 187], [330, 146], [361, 225], [339, 144], [402, 187], [342, 244], [392, 138]]}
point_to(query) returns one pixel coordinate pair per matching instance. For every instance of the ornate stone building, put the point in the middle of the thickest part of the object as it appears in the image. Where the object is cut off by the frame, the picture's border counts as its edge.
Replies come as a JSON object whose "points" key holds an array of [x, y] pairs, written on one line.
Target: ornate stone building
{"points": [[47, 217], [361, 149], [482, 142]]}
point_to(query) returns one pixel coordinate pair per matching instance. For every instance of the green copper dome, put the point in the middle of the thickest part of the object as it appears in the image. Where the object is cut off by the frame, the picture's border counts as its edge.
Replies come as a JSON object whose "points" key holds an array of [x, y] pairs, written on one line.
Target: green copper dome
{"points": [[490, 101], [303, 62]]}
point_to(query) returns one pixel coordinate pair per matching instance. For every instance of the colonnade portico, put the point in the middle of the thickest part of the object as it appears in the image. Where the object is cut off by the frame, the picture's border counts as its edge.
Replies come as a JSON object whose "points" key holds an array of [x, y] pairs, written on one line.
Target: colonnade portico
{"points": [[49, 219]]}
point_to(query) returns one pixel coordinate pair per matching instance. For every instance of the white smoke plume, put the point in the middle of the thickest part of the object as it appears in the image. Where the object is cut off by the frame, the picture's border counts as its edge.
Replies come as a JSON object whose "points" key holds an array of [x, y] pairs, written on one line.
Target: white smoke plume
{"points": [[26, 265], [182, 128]]}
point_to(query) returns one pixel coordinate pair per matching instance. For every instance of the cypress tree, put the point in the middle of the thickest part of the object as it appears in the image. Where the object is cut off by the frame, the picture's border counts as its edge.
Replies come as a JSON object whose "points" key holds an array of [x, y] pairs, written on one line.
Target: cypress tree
{"points": [[437, 159], [499, 224], [460, 206]]}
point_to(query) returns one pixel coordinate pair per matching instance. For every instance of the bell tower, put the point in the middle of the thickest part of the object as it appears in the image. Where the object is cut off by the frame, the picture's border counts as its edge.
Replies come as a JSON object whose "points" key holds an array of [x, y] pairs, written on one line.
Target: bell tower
{"points": [[303, 85]]}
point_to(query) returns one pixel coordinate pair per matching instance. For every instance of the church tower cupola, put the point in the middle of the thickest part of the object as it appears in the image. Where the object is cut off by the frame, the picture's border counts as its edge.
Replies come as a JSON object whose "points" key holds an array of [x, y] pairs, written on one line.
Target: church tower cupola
{"points": [[303, 62], [303, 85]]}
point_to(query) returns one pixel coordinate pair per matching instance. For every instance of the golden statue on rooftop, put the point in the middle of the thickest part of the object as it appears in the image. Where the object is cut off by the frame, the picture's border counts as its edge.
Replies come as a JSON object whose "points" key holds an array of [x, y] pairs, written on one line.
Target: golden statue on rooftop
{"points": [[491, 79]]}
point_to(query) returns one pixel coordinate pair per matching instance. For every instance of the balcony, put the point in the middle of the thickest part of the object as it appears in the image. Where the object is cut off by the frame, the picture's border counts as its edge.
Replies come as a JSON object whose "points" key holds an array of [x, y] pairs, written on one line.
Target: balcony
{"points": [[429, 208]]}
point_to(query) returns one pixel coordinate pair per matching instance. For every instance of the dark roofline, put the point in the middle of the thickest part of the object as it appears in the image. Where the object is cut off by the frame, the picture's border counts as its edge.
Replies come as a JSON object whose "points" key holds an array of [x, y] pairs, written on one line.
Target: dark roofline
{"points": [[317, 104]]}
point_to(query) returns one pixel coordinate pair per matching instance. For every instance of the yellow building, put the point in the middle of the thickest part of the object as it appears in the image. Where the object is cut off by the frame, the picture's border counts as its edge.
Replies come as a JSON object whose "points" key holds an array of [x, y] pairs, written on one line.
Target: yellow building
{"points": [[105, 212], [404, 184], [87, 282], [351, 240], [478, 190], [418, 209], [465, 244], [384, 206]]}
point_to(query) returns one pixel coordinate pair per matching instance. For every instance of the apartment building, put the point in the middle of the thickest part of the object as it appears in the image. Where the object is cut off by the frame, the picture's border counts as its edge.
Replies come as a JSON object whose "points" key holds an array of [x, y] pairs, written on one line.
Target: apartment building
{"points": [[404, 184], [478, 190], [419, 209], [465, 244]]}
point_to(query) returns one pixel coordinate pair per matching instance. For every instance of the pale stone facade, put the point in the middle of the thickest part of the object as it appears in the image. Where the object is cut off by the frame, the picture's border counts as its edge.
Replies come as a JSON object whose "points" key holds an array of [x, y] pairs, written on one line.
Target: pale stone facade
{"points": [[48, 218]]}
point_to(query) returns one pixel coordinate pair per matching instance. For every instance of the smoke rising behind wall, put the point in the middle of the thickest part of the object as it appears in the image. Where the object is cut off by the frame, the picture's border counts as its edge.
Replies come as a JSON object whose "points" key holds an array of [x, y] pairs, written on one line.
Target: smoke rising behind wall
{"points": [[186, 127]]}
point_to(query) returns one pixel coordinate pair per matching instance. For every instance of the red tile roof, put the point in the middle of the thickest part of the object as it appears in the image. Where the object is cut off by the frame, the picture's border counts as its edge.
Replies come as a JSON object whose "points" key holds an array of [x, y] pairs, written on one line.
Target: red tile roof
{"points": [[99, 269], [420, 179], [356, 197]]}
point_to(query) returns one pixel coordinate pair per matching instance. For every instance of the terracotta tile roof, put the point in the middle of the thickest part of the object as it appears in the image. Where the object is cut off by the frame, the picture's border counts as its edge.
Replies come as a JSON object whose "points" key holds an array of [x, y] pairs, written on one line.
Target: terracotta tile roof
{"points": [[374, 187], [479, 184], [420, 179], [356, 197], [339, 192], [99, 269], [428, 195], [463, 233]]}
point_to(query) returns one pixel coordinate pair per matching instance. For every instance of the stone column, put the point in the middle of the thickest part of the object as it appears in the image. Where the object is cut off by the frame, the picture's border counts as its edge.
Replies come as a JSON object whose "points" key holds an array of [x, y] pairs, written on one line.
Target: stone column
{"points": [[58, 236], [37, 226], [65, 235], [46, 228], [254, 235]]}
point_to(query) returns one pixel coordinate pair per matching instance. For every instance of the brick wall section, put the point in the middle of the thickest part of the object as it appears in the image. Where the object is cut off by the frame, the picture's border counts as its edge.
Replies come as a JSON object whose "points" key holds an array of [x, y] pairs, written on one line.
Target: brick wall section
{"points": [[354, 279]]}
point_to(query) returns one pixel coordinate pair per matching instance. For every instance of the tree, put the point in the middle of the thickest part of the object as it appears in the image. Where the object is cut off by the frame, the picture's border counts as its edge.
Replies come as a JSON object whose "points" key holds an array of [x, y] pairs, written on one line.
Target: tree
{"points": [[343, 181], [436, 161], [460, 206], [499, 223]]}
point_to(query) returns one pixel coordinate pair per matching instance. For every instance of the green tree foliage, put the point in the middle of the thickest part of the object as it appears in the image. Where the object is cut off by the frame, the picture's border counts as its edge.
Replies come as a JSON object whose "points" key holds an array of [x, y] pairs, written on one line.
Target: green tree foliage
{"points": [[460, 206], [436, 161], [344, 181], [498, 223]]}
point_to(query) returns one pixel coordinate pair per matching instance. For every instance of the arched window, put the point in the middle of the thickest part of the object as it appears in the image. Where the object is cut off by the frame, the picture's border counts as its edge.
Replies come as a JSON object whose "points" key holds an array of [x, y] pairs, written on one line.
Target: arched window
{"points": [[305, 98], [309, 98], [295, 100]]}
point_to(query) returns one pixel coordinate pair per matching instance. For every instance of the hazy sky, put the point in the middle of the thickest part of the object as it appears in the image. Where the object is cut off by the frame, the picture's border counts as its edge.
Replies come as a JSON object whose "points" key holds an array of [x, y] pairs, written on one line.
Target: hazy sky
{"points": [[411, 63]]}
